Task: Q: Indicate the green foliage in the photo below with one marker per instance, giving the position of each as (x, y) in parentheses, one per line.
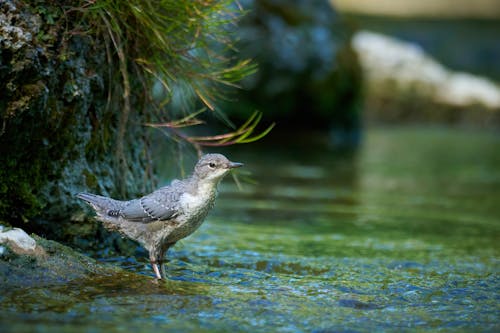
(180, 43)
(180, 46)
(244, 134)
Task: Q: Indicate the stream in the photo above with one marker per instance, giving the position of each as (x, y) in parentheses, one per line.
(402, 234)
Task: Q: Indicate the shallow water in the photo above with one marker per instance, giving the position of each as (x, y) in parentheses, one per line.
(404, 234)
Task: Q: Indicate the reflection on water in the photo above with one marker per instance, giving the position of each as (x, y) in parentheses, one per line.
(402, 234)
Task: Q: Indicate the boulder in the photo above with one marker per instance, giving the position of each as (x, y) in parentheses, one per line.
(404, 82)
(308, 75)
(58, 133)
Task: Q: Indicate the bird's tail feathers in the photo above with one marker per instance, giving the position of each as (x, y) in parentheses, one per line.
(102, 205)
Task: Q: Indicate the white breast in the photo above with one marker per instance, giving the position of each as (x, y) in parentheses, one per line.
(192, 204)
(189, 202)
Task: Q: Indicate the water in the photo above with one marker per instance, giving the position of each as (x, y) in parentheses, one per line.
(403, 234)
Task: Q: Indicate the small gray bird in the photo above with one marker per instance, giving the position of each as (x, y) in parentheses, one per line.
(160, 219)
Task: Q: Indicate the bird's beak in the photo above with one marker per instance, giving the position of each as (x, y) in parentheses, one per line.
(233, 165)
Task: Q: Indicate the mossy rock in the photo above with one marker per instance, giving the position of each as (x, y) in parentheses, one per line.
(49, 264)
(58, 133)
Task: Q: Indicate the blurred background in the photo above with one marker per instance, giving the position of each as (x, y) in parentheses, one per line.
(372, 62)
(372, 205)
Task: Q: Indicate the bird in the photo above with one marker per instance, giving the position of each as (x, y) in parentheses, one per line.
(160, 219)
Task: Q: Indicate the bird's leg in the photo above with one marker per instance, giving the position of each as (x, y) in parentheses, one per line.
(156, 268)
(159, 269)
(163, 272)
(157, 262)
(164, 249)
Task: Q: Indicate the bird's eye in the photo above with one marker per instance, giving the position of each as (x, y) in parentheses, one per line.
(212, 165)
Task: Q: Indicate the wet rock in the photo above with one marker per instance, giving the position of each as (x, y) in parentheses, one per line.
(307, 74)
(28, 261)
(14, 36)
(402, 78)
(59, 123)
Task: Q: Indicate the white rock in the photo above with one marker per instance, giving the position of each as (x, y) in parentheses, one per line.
(18, 237)
(465, 89)
(385, 58)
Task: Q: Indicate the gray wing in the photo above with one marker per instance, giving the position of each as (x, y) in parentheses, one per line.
(157, 206)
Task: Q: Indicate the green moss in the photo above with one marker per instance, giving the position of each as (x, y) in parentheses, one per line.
(91, 180)
(55, 110)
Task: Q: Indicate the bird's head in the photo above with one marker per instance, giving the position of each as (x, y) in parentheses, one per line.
(213, 167)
